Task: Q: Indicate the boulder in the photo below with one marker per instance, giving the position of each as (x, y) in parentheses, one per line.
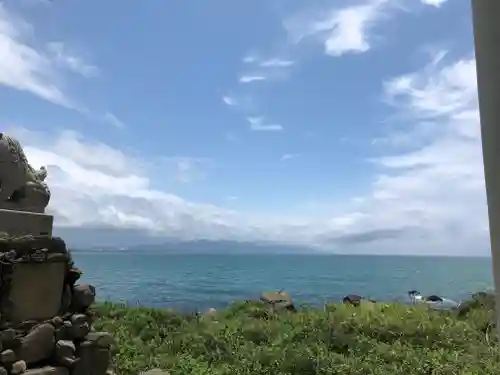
(82, 298)
(278, 300)
(38, 344)
(356, 300)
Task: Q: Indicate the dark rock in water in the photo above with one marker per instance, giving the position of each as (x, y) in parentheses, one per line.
(278, 300)
(355, 300)
(434, 298)
(352, 299)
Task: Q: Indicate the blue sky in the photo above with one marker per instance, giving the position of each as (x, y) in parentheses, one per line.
(348, 125)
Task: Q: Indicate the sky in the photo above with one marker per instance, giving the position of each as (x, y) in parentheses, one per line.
(349, 126)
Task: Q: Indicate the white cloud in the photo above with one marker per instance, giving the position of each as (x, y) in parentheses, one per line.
(94, 185)
(113, 120)
(23, 67)
(251, 78)
(41, 71)
(428, 95)
(436, 3)
(345, 30)
(250, 59)
(436, 188)
(60, 56)
(266, 68)
(259, 124)
(342, 31)
(427, 200)
(273, 62)
(276, 63)
(229, 100)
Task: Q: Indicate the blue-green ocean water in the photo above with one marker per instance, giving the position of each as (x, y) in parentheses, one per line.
(196, 282)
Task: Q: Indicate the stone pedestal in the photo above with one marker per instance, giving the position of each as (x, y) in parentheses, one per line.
(16, 223)
(45, 317)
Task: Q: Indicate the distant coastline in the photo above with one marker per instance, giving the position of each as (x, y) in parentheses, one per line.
(159, 250)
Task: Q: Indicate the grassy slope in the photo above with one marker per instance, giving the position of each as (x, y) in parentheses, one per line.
(247, 339)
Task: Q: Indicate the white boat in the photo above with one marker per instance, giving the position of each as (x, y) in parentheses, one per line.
(433, 301)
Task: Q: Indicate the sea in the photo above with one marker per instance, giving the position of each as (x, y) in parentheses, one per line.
(196, 282)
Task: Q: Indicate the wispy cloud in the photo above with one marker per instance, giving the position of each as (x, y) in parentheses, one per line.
(61, 57)
(273, 62)
(286, 157)
(438, 185)
(425, 94)
(259, 124)
(436, 3)
(251, 78)
(341, 30)
(23, 67)
(345, 30)
(113, 120)
(276, 63)
(229, 100)
(249, 59)
(186, 170)
(266, 68)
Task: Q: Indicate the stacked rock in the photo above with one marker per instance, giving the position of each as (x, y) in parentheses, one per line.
(45, 321)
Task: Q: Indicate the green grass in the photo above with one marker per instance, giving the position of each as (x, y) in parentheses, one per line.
(248, 339)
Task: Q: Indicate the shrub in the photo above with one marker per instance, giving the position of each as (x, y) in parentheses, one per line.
(247, 338)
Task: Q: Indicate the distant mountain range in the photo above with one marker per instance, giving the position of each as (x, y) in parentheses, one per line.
(111, 239)
(207, 247)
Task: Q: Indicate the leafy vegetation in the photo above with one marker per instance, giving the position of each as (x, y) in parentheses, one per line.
(248, 338)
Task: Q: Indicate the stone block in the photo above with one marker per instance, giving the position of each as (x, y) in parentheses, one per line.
(35, 291)
(17, 223)
(93, 360)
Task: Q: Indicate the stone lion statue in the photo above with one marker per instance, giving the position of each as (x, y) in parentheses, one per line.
(22, 187)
